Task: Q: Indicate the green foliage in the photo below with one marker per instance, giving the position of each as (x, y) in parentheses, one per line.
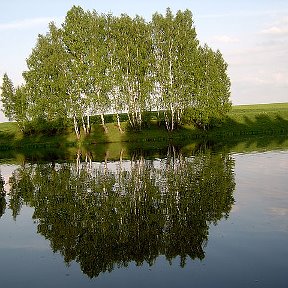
(175, 50)
(46, 78)
(101, 64)
(210, 101)
(2, 205)
(202, 119)
(49, 128)
(8, 97)
(14, 102)
(2, 190)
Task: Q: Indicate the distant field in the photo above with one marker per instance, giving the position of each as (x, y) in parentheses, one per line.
(242, 113)
(260, 118)
(260, 107)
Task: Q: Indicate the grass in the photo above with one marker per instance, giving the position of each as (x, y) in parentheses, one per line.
(242, 122)
(245, 127)
(261, 119)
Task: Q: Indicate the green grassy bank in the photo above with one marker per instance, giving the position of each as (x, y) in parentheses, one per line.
(242, 123)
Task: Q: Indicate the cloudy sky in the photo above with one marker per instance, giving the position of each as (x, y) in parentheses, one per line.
(252, 36)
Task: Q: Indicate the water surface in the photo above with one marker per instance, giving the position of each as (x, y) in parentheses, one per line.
(205, 220)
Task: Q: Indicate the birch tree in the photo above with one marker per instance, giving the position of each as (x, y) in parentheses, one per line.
(212, 89)
(76, 41)
(8, 98)
(184, 66)
(14, 101)
(45, 78)
(97, 87)
(175, 46)
(134, 50)
(114, 73)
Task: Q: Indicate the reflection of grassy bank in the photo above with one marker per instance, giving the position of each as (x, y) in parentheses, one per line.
(117, 151)
(250, 123)
(125, 151)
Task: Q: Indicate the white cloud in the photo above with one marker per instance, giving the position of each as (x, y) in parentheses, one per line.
(276, 78)
(280, 78)
(263, 77)
(274, 30)
(25, 24)
(241, 14)
(225, 39)
(278, 28)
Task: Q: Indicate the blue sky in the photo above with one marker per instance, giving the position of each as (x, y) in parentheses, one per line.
(252, 36)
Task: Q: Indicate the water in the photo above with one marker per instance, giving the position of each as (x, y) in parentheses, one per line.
(207, 220)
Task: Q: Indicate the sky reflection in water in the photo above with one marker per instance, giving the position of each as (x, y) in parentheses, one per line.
(121, 219)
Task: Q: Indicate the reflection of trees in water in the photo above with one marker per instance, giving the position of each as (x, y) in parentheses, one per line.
(104, 218)
(2, 196)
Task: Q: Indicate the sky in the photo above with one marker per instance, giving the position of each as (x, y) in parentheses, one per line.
(252, 36)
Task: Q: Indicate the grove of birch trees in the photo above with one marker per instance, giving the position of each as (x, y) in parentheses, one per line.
(98, 64)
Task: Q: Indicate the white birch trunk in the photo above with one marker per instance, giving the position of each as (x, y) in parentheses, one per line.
(129, 119)
(118, 123)
(166, 121)
(84, 125)
(171, 87)
(76, 128)
(139, 120)
(103, 123)
(172, 117)
(78, 160)
(88, 124)
(158, 113)
(121, 158)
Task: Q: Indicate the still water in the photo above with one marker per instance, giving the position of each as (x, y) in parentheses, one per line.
(205, 220)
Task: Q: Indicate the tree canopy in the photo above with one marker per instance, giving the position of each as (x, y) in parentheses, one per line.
(96, 64)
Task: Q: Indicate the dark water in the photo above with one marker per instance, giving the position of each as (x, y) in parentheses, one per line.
(207, 220)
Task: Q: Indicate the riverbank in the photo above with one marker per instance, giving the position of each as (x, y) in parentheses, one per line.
(245, 121)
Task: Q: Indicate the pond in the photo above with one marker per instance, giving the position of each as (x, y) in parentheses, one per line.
(209, 219)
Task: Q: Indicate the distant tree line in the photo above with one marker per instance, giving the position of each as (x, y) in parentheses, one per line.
(98, 64)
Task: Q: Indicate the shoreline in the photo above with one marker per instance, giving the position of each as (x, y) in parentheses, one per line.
(244, 121)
